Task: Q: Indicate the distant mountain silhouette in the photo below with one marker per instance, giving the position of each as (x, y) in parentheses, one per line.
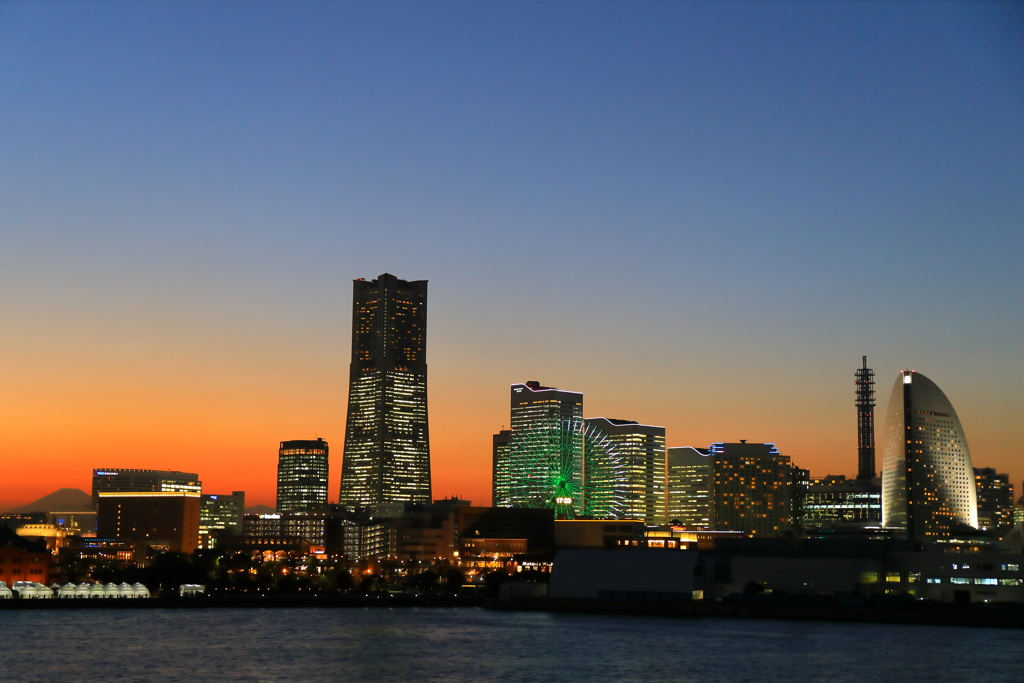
(56, 500)
(260, 510)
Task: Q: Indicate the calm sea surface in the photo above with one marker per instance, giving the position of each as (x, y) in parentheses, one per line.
(408, 644)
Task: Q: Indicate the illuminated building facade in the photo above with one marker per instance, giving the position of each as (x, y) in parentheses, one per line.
(689, 487)
(301, 475)
(501, 477)
(164, 520)
(836, 500)
(114, 479)
(220, 515)
(387, 445)
(927, 480)
(643, 449)
(534, 405)
(537, 413)
(995, 498)
(309, 526)
(752, 488)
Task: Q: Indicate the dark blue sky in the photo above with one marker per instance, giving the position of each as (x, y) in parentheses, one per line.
(682, 209)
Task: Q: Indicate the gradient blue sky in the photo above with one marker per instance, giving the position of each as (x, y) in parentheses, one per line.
(699, 214)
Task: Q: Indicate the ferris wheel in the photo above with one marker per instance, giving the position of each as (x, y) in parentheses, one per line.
(571, 467)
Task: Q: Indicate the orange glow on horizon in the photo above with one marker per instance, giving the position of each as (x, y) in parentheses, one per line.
(62, 426)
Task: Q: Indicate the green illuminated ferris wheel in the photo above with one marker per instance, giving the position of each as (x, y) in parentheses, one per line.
(571, 467)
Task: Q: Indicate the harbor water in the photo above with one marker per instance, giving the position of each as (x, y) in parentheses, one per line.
(472, 644)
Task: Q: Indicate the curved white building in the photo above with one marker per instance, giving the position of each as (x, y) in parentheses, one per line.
(927, 478)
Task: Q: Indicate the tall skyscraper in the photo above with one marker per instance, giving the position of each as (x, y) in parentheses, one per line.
(643, 449)
(301, 475)
(537, 415)
(115, 479)
(865, 383)
(690, 486)
(752, 488)
(927, 480)
(500, 466)
(387, 441)
(553, 458)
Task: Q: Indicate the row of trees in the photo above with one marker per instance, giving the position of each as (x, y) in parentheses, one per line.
(239, 572)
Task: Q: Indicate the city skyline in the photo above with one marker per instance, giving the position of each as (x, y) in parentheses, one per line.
(700, 218)
(492, 472)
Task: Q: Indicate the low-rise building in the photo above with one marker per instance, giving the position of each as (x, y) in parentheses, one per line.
(835, 501)
(850, 568)
(23, 560)
(161, 520)
(631, 576)
(595, 533)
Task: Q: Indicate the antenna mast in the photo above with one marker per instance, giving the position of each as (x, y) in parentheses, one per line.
(865, 383)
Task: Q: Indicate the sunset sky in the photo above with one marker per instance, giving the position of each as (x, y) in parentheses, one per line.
(700, 215)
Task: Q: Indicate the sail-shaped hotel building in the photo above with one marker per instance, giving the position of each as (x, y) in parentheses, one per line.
(927, 478)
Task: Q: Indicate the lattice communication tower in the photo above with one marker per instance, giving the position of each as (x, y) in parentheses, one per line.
(865, 383)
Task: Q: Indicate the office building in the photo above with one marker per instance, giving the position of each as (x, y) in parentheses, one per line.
(501, 476)
(533, 406)
(690, 483)
(387, 443)
(309, 526)
(995, 499)
(111, 480)
(835, 501)
(1018, 509)
(220, 515)
(157, 520)
(301, 475)
(535, 443)
(752, 488)
(553, 458)
(643, 449)
(928, 488)
(801, 482)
